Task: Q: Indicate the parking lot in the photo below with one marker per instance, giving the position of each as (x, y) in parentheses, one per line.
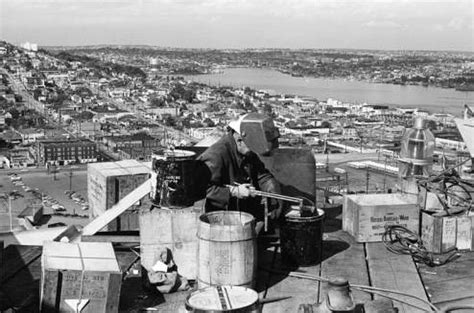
(36, 186)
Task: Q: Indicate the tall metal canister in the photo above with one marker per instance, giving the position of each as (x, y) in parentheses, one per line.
(416, 155)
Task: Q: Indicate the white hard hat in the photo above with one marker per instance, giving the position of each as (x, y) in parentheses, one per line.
(235, 124)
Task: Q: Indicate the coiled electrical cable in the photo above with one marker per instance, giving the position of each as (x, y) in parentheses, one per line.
(401, 240)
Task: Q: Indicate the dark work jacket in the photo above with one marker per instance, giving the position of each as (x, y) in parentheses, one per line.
(222, 165)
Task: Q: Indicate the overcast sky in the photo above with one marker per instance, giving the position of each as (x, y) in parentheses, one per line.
(369, 24)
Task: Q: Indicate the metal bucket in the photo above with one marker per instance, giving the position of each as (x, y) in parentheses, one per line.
(302, 238)
(227, 247)
(223, 299)
(174, 177)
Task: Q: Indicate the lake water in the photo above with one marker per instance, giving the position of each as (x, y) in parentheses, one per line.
(432, 99)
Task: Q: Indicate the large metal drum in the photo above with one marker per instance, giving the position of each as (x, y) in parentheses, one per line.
(174, 177)
(223, 299)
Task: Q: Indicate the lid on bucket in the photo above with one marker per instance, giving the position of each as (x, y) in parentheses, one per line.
(222, 298)
(305, 213)
(173, 154)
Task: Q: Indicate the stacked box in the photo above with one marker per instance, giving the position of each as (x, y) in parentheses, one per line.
(365, 216)
(444, 233)
(87, 272)
(176, 230)
(108, 183)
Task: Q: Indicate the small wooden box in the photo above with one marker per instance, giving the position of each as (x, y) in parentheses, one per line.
(87, 271)
(443, 233)
(175, 229)
(365, 216)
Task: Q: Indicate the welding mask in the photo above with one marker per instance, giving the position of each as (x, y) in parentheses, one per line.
(258, 132)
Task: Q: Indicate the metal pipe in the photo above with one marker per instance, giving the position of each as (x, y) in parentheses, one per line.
(277, 196)
(274, 195)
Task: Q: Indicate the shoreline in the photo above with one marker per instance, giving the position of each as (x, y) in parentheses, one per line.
(426, 107)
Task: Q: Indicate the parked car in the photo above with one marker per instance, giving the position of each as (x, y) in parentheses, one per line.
(58, 224)
(58, 208)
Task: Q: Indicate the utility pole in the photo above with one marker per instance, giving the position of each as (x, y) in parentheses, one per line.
(367, 180)
(70, 179)
(10, 212)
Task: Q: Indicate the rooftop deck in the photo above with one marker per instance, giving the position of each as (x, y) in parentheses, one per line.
(362, 264)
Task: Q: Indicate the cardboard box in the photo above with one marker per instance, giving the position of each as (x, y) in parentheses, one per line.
(365, 216)
(429, 200)
(87, 272)
(443, 233)
(174, 229)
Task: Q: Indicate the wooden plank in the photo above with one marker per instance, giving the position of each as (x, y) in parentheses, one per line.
(118, 238)
(278, 284)
(451, 290)
(109, 215)
(345, 258)
(451, 282)
(461, 268)
(50, 287)
(397, 272)
(113, 292)
(300, 290)
(452, 303)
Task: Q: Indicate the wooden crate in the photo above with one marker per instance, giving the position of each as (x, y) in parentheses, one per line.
(428, 200)
(443, 233)
(174, 229)
(365, 216)
(108, 183)
(86, 271)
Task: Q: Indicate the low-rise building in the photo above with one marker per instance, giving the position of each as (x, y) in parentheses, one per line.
(20, 157)
(61, 151)
(139, 140)
(162, 111)
(11, 137)
(30, 135)
(201, 132)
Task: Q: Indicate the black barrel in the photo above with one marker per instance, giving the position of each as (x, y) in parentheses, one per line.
(174, 170)
(302, 238)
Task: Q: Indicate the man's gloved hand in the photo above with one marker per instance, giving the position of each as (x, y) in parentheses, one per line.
(242, 191)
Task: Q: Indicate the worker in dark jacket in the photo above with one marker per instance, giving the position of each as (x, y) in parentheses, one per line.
(234, 170)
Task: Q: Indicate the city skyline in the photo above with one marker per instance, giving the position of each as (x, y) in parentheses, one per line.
(341, 24)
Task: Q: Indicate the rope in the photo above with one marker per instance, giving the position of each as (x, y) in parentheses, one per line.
(380, 291)
(400, 240)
